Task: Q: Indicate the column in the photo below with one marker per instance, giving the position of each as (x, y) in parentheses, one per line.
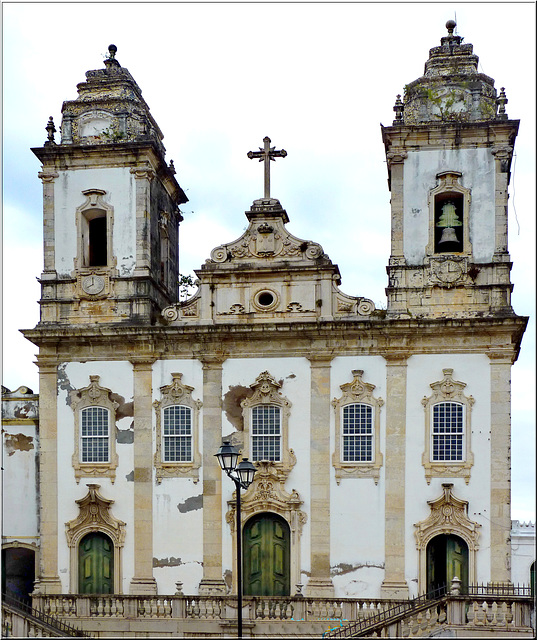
(212, 581)
(394, 584)
(396, 158)
(48, 580)
(143, 582)
(320, 583)
(500, 467)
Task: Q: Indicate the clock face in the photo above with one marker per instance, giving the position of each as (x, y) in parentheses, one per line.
(93, 284)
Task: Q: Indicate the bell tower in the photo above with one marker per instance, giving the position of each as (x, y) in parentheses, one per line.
(449, 153)
(111, 207)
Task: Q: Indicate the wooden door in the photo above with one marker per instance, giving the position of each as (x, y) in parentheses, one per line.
(96, 564)
(447, 557)
(266, 554)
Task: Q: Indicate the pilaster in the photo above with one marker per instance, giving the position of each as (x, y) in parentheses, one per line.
(320, 583)
(212, 581)
(143, 581)
(502, 155)
(48, 176)
(143, 177)
(396, 158)
(48, 580)
(394, 584)
(500, 466)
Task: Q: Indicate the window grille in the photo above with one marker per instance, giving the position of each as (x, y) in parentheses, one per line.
(95, 435)
(448, 431)
(177, 434)
(266, 433)
(357, 433)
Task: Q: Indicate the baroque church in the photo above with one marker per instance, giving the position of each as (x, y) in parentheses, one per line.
(380, 437)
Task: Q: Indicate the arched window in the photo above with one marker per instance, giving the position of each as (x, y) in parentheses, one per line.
(266, 433)
(95, 435)
(447, 432)
(177, 417)
(177, 434)
(357, 433)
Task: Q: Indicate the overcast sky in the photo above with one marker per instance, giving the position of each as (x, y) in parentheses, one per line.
(318, 78)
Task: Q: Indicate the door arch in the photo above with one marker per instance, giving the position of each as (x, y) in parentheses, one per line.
(266, 556)
(96, 564)
(447, 557)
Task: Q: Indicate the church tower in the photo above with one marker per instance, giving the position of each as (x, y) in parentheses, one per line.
(449, 156)
(111, 207)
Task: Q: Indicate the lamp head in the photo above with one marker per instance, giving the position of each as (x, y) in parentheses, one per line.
(245, 471)
(227, 456)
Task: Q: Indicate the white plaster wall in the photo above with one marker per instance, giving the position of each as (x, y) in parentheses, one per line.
(478, 174)
(522, 552)
(116, 376)
(119, 185)
(177, 512)
(422, 370)
(19, 495)
(295, 373)
(357, 504)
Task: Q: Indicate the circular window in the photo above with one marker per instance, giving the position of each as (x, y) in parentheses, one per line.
(265, 300)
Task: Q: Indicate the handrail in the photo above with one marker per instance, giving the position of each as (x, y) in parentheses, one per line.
(27, 610)
(386, 616)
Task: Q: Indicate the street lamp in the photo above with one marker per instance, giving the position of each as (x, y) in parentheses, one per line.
(242, 475)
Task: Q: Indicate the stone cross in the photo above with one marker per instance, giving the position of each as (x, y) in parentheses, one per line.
(265, 155)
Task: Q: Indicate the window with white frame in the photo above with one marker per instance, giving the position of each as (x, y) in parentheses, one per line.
(94, 409)
(357, 433)
(357, 430)
(448, 432)
(177, 419)
(447, 452)
(94, 434)
(266, 433)
(177, 434)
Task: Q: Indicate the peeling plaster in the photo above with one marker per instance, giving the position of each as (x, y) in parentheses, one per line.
(343, 567)
(228, 579)
(124, 436)
(130, 476)
(63, 383)
(27, 410)
(232, 404)
(125, 409)
(17, 442)
(191, 504)
(172, 562)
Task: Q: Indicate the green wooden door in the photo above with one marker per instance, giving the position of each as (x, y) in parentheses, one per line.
(447, 557)
(266, 553)
(96, 564)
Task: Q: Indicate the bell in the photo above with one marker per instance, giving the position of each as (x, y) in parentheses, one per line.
(448, 235)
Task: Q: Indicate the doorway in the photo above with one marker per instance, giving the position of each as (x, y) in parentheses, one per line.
(96, 564)
(266, 556)
(447, 557)
(18, 572)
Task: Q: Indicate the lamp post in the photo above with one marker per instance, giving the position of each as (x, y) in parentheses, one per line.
(242, 475)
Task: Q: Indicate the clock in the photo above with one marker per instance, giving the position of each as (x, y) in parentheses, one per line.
(93, 284)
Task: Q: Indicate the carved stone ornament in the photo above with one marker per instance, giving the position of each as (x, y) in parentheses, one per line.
(95, 516)
(361, 392)
(448, 271)
(266, 390)
(94, 396)
(448, 390)
(349, 305)
(265, 239)
(267, 494)
(177, 393)
(449, 516)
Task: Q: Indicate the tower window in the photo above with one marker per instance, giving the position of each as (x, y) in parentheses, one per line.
(97, 242)
(448, 223)
(357, 433)
(266, 433)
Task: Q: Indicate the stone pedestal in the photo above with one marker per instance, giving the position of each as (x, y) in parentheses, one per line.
(143, 587)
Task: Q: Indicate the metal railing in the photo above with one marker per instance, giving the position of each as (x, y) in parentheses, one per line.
(34, 615)
(523, 590)
(387, 616)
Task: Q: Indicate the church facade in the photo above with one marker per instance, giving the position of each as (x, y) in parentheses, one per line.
(381, 438)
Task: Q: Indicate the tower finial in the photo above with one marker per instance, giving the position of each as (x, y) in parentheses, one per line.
(111, 61)
(112, 50)
(51, 130)
(450, 26)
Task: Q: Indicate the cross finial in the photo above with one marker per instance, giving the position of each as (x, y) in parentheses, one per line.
(266, 154)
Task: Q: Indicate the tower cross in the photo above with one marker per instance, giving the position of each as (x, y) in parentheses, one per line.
(265, 155)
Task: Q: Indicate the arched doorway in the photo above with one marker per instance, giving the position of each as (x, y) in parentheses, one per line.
(266, 556)
(447, 557)
(18, 572)
(96, 564)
